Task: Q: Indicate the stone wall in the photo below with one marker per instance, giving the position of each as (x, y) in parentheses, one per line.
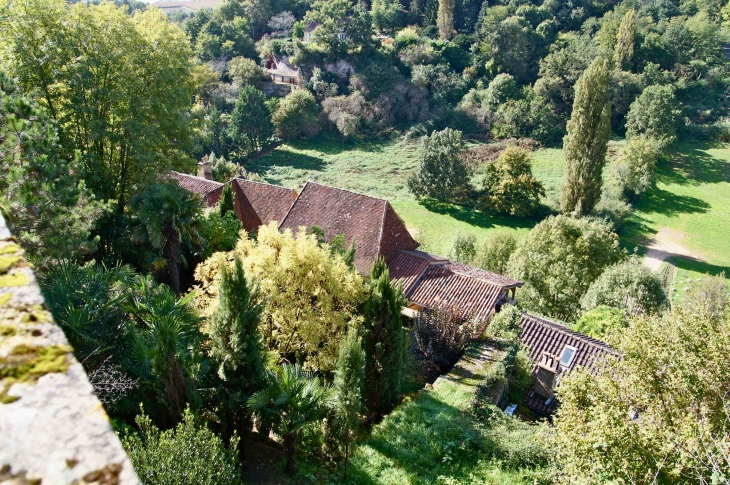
(53, 429)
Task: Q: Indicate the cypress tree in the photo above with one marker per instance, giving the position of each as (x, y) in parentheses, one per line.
(589, 129)
(349, 378)
(384, 341)
(446, 19)
(226, 202)
(624, 51)
(237, 349)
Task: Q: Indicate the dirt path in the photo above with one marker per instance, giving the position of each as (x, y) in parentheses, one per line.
(664, 245)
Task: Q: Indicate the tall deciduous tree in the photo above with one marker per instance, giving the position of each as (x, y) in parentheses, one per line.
(559, 260)
(623, 53)
(654, 115)
(46, 203)
(119, 87)
(657, 415)
(250, 121)
(384, 341)
(168, 217)
(235, 344)
(442, 174)
(445, 19)
(585, 145)
(509, 185)
(349, 380)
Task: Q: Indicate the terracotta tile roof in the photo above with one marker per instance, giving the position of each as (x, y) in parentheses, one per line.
(441, 287)
(544, 336)
(406, 268)
(260, 203)
(481, 274)
(197, 185)
(370, 221)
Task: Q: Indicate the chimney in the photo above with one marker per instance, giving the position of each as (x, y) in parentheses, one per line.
(547, 369)
(204, 170)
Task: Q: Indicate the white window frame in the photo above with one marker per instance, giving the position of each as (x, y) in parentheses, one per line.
(572, 357)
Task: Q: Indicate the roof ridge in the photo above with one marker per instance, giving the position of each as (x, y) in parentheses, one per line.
(563, 328)
(283, 219)
(382, 227)
(256, 181)
(197, 177)
(344, 190)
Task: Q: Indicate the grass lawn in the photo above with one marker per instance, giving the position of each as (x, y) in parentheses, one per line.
(431, 439)
(381, 169)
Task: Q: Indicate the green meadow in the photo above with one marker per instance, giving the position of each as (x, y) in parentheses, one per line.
(689, 204)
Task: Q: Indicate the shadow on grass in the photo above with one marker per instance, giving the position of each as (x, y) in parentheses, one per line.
(422, 439)
(660, 201)
(285, 158)
(691, 165)
(475, 217)
(702, 267)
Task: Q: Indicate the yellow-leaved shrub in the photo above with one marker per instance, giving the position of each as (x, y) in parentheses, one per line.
(311, 296)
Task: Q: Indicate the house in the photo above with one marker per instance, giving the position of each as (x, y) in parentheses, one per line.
(434, 282)
(428, 281)
(309, 35)
(281, 71)
(556, 351)
(371, 222)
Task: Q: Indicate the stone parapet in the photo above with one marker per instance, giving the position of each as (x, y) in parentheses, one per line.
(53, 429)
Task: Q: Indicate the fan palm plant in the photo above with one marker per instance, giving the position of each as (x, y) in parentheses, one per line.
(294, 398)
(164, 341)
(168, 219)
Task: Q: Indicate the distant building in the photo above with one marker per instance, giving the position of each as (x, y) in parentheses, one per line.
(186, 6)
(281, 71)
(309, 31)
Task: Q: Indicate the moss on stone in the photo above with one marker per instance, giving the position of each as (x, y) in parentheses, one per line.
(9, 248)
(4, 299)
(8, 330)
(26, 364)
(18, 279)
(7, 262)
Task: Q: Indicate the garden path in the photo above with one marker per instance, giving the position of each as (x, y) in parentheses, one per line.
(665, 244)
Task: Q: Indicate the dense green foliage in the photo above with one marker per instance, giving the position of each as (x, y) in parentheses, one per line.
(559, 260)
(188, 453)
(226, 203)
(585, 144)
(251, 125)
(601, 321)
(629, 286)
(384, 341)
(494, 252)
(235, 345)
(509, 186)
(442, 174)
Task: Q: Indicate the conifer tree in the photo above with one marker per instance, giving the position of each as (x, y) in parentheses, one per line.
(349, 379)
(384, 341)
(236, 346)
(624, 50)
(445, 20)
(226, 202)
(589, 129)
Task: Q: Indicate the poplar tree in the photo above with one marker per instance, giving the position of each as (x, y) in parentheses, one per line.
(445, 19)
(384, 341)
(624, 50)
(236, 346)
(349, 379)
(589, 129)
(226, 203)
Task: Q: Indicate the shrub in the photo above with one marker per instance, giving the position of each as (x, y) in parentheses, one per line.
(245, 72)
(520, 379)
(510, 187)
(188, 453)
(558, 261)
(222, 170)
(530, 117)
(495, 251)
(219, 231)
(442, 174)
(600, 321)
(350, 114)
(297, 115)
(635, 166)
(506, 323)
(464, 248)
(501, 89)
(655, 114)
(628, 286)
(442, 335)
